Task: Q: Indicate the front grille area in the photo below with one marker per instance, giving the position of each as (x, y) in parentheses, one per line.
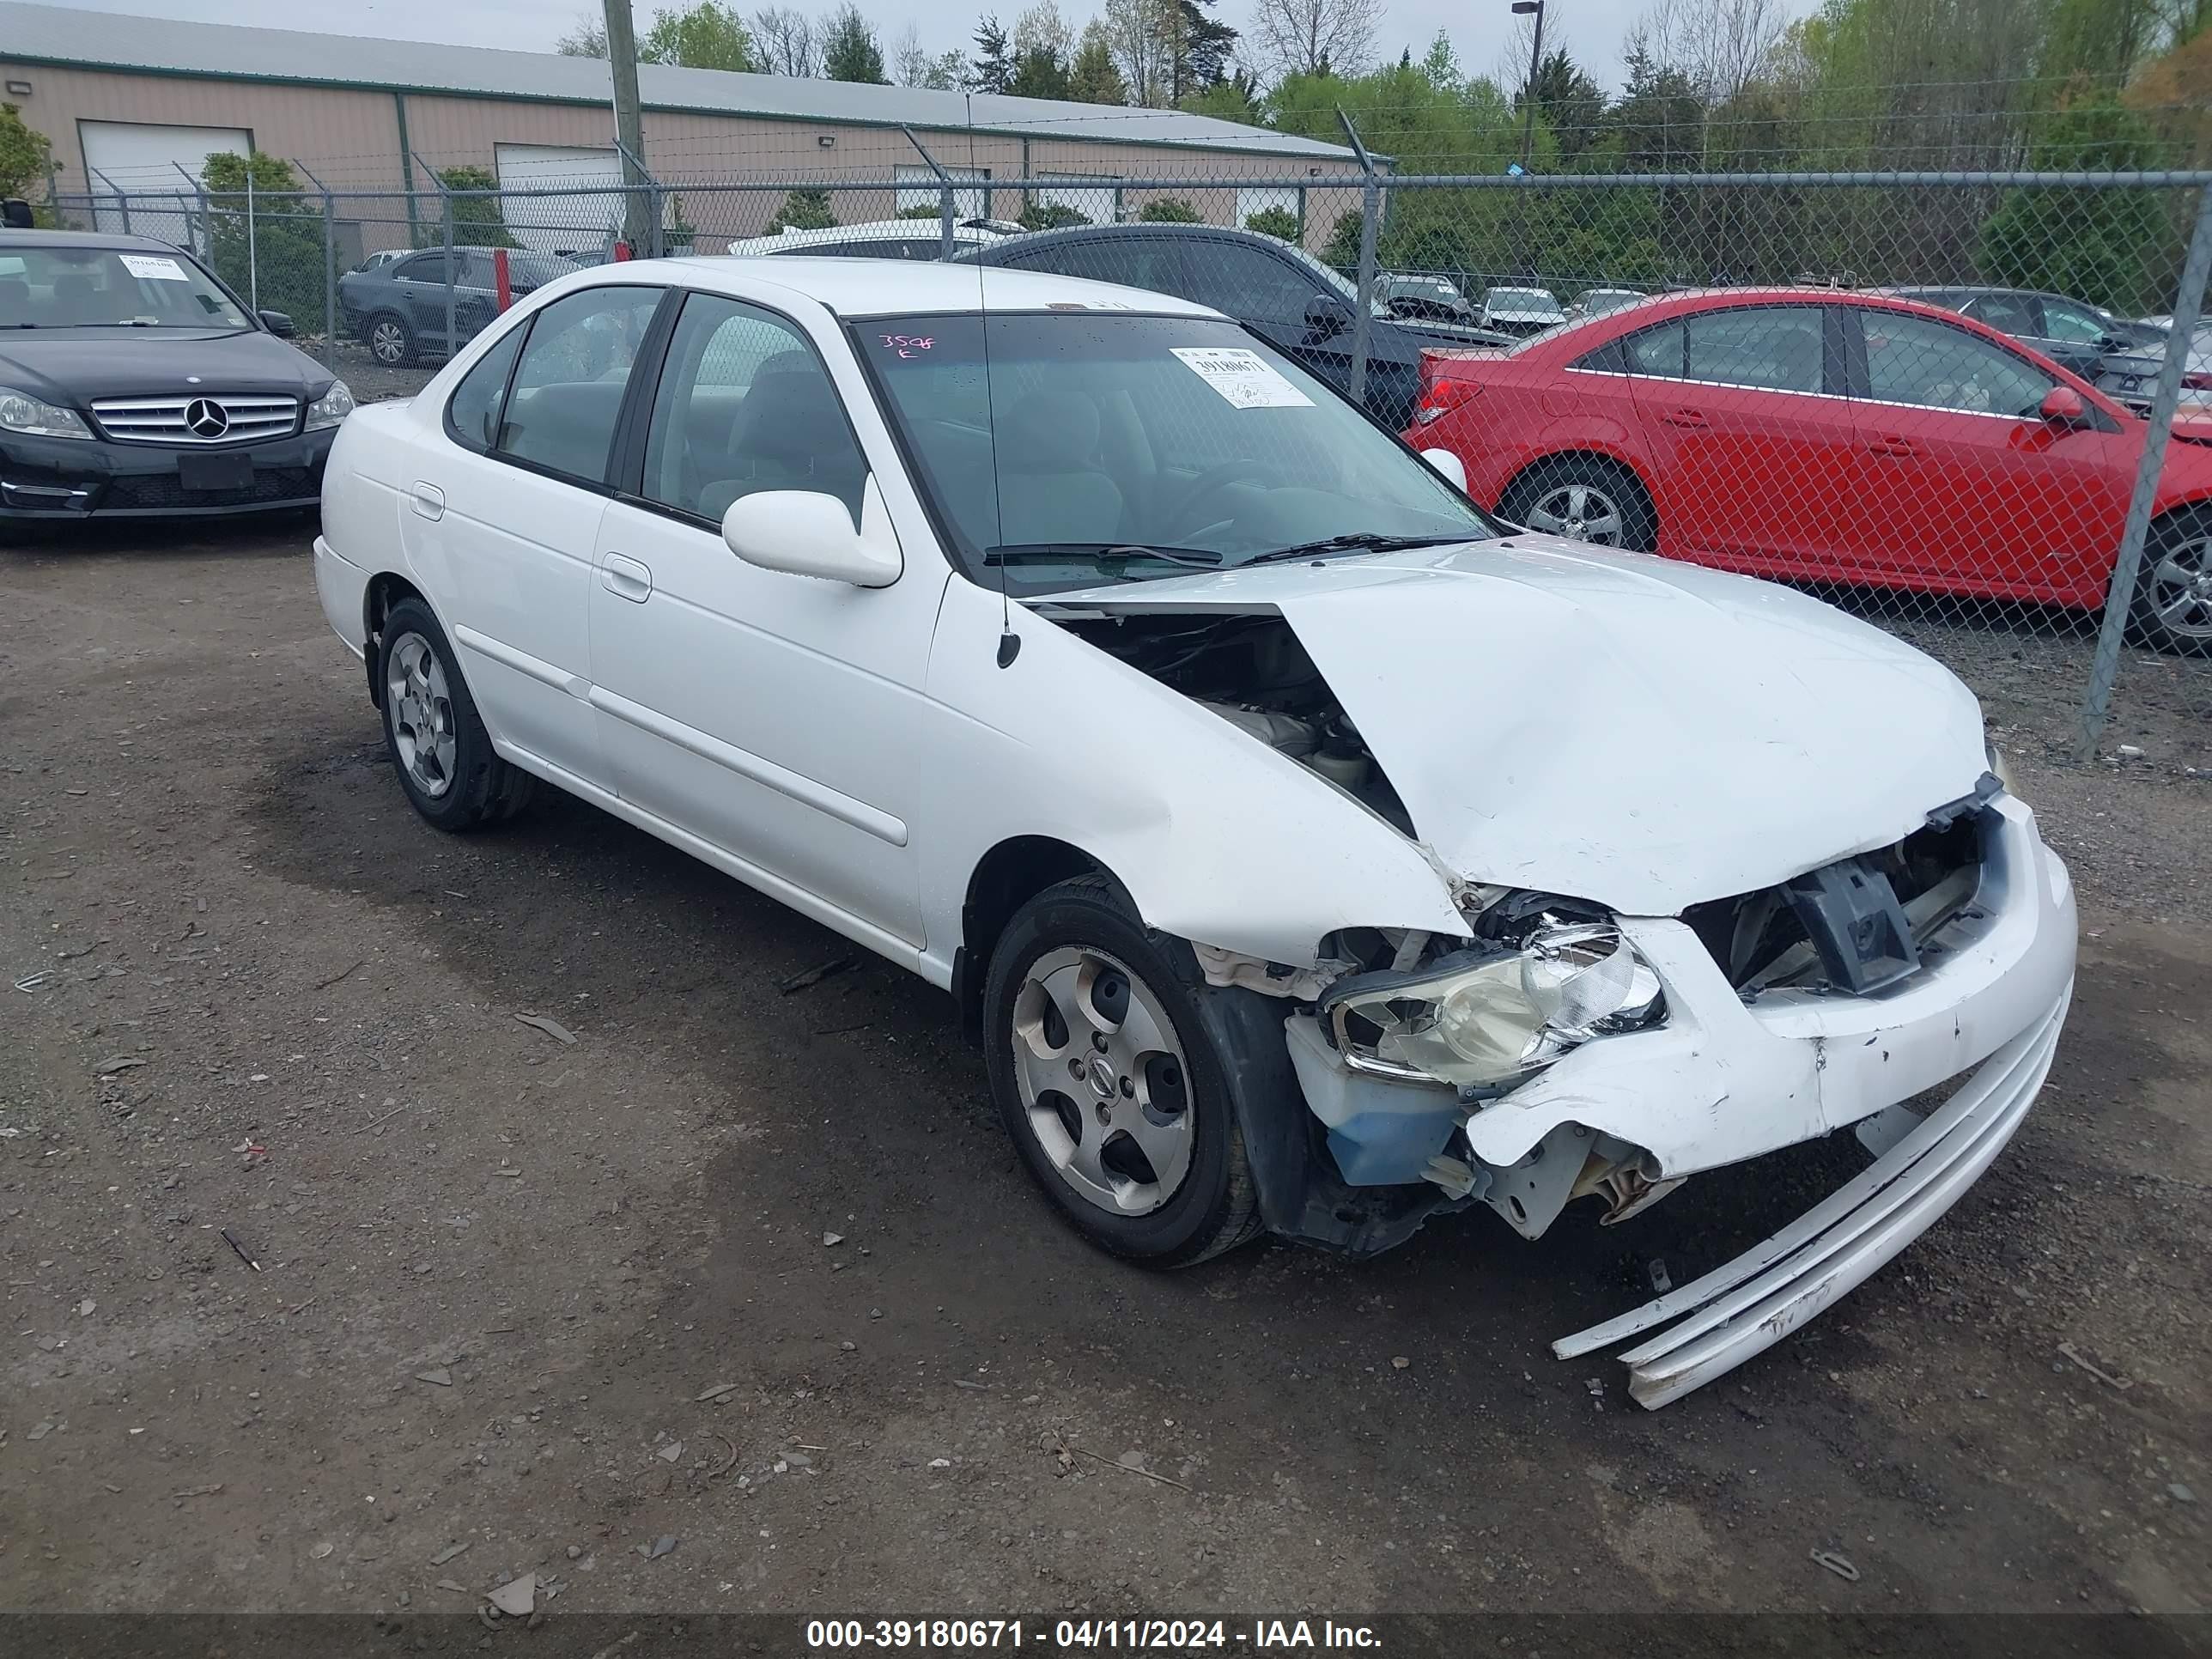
(174, 420)
(275, 483)
(1778, 938)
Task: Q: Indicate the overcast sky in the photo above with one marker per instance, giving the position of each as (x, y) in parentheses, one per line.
(1592, 28)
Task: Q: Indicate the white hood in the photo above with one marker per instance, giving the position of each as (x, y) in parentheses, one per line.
(1612, 726)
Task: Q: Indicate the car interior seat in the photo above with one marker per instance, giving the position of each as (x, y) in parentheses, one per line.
(1052, 485)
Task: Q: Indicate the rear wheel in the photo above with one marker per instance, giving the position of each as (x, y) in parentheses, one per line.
(1109, 1082)
(1583, 498)
(2172, 609)
(390, 342)
(439, 745)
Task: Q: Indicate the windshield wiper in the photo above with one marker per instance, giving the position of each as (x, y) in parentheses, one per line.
(1359, 541)
(1107, 556)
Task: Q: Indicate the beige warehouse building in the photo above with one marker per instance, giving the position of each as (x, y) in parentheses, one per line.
(134, 105)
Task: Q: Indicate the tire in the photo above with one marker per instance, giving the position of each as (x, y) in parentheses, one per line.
(2173, 607)
(390, 342)
(1587, 498)
(437, 740)
(1078, 946)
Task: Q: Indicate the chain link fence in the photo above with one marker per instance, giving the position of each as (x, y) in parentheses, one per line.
(1699, 364)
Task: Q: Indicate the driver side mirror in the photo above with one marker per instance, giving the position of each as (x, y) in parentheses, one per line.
(803, 532)
(278, 323)
(1327, 315)
(2063, 407)
(1449, 467)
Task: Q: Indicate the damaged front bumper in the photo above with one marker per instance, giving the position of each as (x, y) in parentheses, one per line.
(1727, 1078)
(1753, 1302)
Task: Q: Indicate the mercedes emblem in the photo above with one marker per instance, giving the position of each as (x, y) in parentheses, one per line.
(205, 417)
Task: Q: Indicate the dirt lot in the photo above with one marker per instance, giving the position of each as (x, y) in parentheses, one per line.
(499, 1275)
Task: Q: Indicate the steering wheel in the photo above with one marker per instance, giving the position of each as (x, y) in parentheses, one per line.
(1212, 482)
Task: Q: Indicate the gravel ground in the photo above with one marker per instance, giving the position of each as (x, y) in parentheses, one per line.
(555, 1301)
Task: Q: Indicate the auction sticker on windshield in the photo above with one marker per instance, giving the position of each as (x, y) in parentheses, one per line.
(154, 267)
(1243, 377)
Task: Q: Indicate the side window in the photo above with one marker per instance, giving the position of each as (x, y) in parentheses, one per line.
(2008, 314)
(1248, 282)
(422, 267)
(1775, 348)
(472, 416)
(1147, 262)
(745, 404)
(568, 387)
(2075, 324)
(1657, 351)
(1916, 360)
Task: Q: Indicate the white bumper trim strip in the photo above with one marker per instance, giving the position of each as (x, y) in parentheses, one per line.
(1745, 1306)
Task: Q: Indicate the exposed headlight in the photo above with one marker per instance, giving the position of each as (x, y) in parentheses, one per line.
(34, 418)
(331, 407)
(1487, 1015)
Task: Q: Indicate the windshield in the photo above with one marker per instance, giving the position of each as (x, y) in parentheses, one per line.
(1532, 300)
(1121, 447)
(110, 287)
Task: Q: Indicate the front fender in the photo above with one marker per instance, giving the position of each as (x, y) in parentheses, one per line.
(1216, 837)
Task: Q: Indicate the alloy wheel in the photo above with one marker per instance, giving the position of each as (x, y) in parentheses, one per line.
(422, 714)
(2181, 589)
(387, 343)
(1102, 1080)
(1580, 513)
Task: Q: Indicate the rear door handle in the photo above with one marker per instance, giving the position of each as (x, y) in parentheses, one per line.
(1690, 419)
(427, 500)
(626, 577)
(1894, 444)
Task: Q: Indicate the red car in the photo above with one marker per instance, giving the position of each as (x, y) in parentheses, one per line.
(1823, 436)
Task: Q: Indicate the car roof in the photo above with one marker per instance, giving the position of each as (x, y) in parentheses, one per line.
(1140, 232)
(871, 288)
(873, 230)
(87, 238)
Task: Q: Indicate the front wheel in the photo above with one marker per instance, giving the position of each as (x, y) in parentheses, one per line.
(2172, 609)
(1110, 1084)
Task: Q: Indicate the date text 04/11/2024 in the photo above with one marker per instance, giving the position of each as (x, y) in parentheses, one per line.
(1159, 1635)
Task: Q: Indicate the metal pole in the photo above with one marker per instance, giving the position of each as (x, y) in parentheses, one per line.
(1528, 92)
(2119, 599)
(1370, 204)
(452, 345)
(330, 271)
(946, 206)
(629, 121)
(252, 248)
(120, 203)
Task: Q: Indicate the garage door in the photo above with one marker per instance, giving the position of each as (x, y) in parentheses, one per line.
(565, 223)
(143, 160)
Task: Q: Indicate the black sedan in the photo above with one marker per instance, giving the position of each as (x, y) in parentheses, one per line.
(132, 381)
(2071, 332)
(399, 309)
(1278, 291)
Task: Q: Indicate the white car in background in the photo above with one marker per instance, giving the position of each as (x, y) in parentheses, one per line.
(1311, 853)
(881, 239)
(1521, 310)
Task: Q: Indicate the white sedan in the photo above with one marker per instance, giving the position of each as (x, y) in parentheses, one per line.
(1311, 853)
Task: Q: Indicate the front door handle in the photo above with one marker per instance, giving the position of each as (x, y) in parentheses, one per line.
(427, 500)
(1690, 419)
(1894, 445)
(625, 578)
